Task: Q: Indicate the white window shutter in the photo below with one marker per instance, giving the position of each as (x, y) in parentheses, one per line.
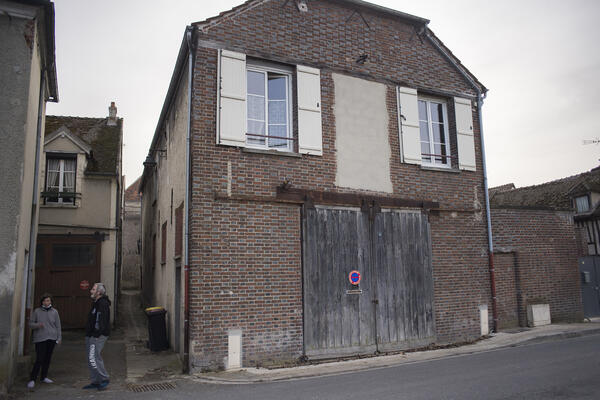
(464, 134)
(310, 135)
(231, 106)
(410, 136)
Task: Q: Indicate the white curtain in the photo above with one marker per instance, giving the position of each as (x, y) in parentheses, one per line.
(52, 175)
(69, 175)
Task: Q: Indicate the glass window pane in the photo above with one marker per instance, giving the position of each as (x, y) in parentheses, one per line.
(256, 127)
(277, 112)
(73, 255)
(256, 83)
(425, 148)
(278, 130)
(436, 112)
(582, 203)
(422, 110)
(438, 133)
(70, 165)
(424, 128)
(256, 108)
(69, 182)
(277, 87)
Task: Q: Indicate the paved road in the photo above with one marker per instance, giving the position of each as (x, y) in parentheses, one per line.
(560, 369)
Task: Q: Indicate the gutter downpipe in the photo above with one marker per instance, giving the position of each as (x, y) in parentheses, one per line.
(186, 323)
(480, 98)
(26, 299)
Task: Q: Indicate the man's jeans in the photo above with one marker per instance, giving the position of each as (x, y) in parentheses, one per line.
(93, 347)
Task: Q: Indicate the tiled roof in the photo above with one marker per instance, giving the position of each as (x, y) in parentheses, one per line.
(502, 188)
(105, 140)
(554, 195)
(132, 192)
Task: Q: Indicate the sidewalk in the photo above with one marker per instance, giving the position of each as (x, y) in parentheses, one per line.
(127, 359)
(132, 366)
(518, 336)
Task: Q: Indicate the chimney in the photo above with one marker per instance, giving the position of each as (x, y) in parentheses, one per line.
(112, 114)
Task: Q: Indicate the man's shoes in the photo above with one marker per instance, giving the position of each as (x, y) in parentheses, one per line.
(30, 384)
(91, 386)
(103, 385)
(46, 380)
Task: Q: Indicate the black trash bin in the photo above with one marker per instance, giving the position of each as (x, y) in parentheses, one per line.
(157, 328)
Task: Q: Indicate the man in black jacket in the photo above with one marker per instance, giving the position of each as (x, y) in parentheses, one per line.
(97, 330)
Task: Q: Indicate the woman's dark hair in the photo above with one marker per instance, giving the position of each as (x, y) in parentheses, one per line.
(44, 297)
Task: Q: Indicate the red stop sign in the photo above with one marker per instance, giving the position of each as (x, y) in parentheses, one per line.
(84, 285)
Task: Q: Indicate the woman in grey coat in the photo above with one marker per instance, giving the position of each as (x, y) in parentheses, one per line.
(45, 324)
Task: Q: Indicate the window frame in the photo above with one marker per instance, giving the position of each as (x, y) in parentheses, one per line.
(61, 177)
(288, 74)
(589, 206)
(448, 157)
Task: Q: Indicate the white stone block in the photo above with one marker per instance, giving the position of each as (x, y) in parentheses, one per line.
(234, 359)
(538, 314)
(483, 318)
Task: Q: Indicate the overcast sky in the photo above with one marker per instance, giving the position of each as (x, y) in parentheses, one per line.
(539, 59)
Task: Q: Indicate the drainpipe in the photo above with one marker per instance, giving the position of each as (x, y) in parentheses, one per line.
(186, 340)
(480, 97)
(26, 297)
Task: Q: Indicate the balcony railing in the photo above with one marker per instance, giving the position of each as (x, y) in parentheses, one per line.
(67, 197)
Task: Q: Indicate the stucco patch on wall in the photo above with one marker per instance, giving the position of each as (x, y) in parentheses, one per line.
(362, 136)
(7, 272)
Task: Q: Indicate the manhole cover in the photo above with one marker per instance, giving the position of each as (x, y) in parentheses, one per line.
(153, 387)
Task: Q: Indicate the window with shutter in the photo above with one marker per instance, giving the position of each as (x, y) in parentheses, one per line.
(255, 105)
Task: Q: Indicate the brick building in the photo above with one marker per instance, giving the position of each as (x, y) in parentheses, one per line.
(541, 234)
(322, 139)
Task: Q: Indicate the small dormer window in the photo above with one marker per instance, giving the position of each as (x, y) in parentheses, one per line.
(582, 204)
(60, 180)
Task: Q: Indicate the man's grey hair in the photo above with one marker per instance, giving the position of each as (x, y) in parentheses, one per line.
(100, 288)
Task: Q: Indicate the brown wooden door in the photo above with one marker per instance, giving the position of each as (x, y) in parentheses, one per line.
(63, 263)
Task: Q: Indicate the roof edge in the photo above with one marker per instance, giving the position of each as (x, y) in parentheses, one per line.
(171, 91)
(207, 23)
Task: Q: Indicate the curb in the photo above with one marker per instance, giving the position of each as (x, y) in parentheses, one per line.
(459, 351)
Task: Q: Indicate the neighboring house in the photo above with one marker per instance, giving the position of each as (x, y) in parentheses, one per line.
(538, 246)
(315, 139)
(27, 82)
(79, 236)
(132, 259)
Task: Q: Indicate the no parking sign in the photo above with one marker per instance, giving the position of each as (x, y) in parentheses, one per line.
(354, 277)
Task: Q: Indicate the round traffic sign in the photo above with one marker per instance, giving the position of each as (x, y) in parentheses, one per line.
(84, 285)
(354, 277)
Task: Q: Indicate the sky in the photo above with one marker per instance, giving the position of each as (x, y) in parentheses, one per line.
(538, 58)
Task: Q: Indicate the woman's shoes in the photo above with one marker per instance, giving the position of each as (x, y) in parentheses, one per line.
(30, 384)
(46, 380)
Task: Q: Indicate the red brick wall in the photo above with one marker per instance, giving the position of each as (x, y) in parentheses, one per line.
(232, 241)
(547, 246)
(506, 290)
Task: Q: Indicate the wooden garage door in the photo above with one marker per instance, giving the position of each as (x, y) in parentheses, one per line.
(63, 262)
(392, 307)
